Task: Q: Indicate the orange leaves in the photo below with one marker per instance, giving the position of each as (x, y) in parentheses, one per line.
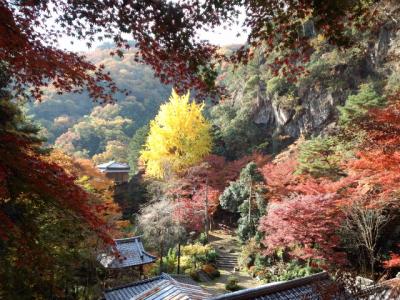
(98, 187)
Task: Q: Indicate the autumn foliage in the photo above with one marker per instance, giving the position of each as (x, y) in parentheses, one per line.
(305, 213)
(30, 172)
(179, 137)
(209, 178)
(166, 35)
(306, 226)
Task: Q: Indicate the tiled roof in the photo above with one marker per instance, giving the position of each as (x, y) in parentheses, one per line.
(314, 287)
(113, 166)
(131, 253)
(130, 290)
(386, 290)
(172, 289)
(157, 288)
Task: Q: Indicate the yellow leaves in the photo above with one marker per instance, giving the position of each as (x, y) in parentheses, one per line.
(179, 137)
(195, 249)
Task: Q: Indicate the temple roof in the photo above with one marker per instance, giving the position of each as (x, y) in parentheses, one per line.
(386, 290)
(157, 288)
(113, 166)
(131, 253)
(317, 287)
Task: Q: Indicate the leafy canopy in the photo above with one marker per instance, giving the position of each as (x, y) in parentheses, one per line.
(179, 137)
(166, 34)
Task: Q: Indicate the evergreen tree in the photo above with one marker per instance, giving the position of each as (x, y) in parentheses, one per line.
(320, 157)
(357, 106)
(245, 196)
(135, 146)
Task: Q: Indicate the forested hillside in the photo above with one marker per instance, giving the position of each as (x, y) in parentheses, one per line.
(262, 162)
(84, 128)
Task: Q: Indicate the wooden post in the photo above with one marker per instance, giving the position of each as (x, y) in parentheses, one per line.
(179, 256)
(206, 219)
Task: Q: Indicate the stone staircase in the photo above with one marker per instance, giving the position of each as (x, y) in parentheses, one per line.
(227, 261)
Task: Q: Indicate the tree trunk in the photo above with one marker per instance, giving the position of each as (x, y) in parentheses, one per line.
(372, 260)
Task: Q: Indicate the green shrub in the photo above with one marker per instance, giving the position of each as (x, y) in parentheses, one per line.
(203, 239)
(287, 271)
(248, 254)
(393, 83)
(196, 255)
(280, 86)
(211, 256)
(232, 284)
(170, 261)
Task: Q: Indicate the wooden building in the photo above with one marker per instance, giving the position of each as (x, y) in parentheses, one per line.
(118, 172)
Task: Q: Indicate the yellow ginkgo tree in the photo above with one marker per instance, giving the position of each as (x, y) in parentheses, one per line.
(179, 137)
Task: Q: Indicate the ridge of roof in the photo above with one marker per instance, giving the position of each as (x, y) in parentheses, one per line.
(110, 165)
(105, 165)
(164, 288)
(130, 253)
(159, 277)
(269, 289)
(127, 240)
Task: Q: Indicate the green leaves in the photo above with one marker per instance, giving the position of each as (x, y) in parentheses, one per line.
(358, 105)
(245, 196)
(320, 157)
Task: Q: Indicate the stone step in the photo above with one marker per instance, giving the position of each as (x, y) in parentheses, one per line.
(228, 260)
(227, 257)
(226, 265)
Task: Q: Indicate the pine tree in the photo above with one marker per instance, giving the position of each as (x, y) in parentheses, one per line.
(135, 146)
(357, 106)
(245, 196)
(320, 157)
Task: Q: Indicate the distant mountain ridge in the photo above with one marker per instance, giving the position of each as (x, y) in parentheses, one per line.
(63, 116)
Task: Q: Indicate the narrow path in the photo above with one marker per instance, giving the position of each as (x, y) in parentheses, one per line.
(228, 247)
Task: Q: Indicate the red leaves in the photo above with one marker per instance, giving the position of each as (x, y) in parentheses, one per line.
(306, 226)
(305, 213)
(393, 262)
(28, 172)
(209, 178)
(166, 34)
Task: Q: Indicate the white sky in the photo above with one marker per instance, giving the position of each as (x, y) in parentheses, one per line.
(218, 36)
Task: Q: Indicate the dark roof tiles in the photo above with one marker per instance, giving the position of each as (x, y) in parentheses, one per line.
(157, 288)
(128, 291)
(314, 287)
(131, 253)
(113, 166)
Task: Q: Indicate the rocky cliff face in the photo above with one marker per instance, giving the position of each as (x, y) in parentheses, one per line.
(314, 109)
